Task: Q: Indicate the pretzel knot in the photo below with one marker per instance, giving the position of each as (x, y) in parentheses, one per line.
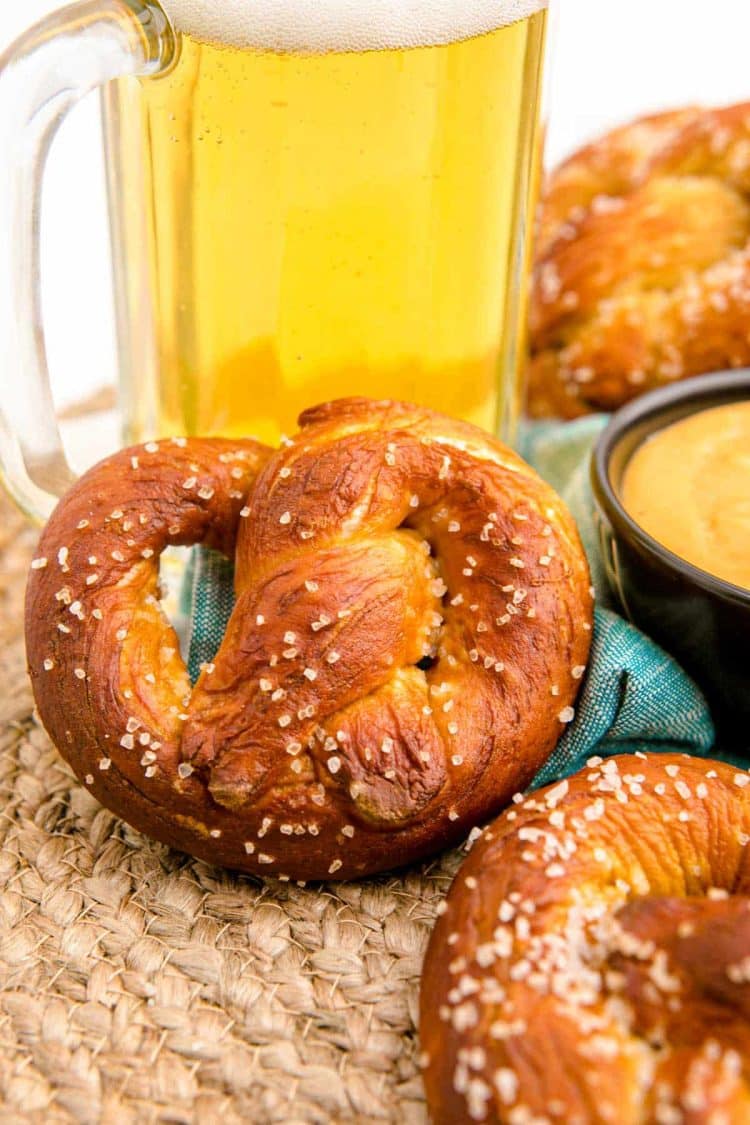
(642, 273)
(412, 622)
(591, 966)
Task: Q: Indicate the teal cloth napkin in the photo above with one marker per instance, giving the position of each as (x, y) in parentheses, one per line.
(634, 697)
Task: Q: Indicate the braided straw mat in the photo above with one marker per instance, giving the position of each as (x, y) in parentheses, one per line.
(138, 985)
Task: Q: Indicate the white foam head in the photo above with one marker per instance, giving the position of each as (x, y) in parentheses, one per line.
(317, 26)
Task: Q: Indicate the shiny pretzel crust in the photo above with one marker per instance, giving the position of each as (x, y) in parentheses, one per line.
(384, 537)
(642, 273)
(592, 964)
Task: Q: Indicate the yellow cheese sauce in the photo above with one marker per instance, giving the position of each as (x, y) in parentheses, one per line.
(688, 486)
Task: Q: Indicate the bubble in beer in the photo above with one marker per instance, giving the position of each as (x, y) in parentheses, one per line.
(318, 26)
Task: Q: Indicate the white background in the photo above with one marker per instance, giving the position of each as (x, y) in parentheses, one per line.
(613, 59)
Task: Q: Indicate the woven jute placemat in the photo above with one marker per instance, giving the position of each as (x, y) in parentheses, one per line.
(137, 985)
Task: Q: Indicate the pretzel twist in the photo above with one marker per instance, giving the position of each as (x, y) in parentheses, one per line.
(591, 966)
(642, 274)
(413, 618)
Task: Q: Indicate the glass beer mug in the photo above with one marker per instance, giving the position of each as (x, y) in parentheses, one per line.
(308, 199)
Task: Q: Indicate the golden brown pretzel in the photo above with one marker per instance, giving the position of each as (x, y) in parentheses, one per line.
(315, 744)
(642, 273)
(592, 966)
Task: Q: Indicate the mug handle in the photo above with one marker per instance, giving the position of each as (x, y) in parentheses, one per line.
(42, 77)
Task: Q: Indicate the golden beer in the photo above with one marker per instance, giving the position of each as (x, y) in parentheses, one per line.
(326, 214)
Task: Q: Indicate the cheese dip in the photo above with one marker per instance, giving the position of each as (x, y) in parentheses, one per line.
(688, 486)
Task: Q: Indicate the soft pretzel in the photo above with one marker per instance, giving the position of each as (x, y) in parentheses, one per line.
(413, 619)
(642, 273)
(592, 966)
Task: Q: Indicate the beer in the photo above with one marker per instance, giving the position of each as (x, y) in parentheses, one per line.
(338, 199)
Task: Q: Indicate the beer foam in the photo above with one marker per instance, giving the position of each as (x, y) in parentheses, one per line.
(318, 26)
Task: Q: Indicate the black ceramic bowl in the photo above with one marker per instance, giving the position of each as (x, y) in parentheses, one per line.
(701, 620)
